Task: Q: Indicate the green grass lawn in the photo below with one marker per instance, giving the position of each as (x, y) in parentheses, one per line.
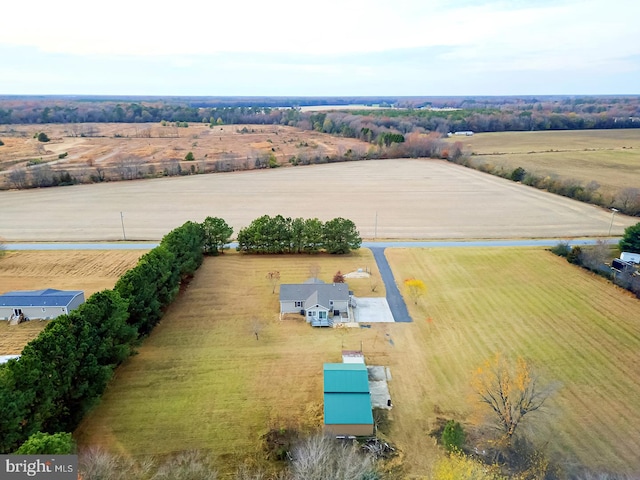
(577, 329)
(202, 380)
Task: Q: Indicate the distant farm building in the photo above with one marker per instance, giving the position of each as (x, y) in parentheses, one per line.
(463, 133)
(347, 401)
(321, 303)
(38, 304)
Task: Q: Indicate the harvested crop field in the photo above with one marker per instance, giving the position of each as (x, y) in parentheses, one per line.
(202, 379)
(405, 199)
(609, 157)
(89, 271)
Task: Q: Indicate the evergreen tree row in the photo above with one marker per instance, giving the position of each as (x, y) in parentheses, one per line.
(268, 235)
(65, 370)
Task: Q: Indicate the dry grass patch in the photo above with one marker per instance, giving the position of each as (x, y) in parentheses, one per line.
(202, 380)
(87, 270)
(106, 144)
(577, 328)
(14, 338)
(609, 157)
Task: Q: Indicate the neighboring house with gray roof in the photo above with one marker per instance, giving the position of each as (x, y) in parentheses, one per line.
(39, 304)
(321, 303)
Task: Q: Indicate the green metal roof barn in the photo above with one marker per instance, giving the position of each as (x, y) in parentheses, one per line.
(347, 401)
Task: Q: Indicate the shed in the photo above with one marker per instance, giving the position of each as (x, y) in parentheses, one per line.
(39, 304)
(347, 401)
(352, 356)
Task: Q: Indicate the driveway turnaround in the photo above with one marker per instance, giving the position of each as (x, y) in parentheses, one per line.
(394, 299)
(372, 310)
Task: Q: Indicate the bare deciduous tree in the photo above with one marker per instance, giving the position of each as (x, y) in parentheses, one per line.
(18, 178)
(314, 270)
(322, 457)
(596, 256)
(256, 327)
(373, 282)
(129, 168)
(274, 279)
(97, 464)
(41, 176)
(512, 391)
(187, 466)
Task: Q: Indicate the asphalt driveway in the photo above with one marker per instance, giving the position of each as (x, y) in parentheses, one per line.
(394, 299)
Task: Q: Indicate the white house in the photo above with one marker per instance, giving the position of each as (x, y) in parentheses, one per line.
(321, 303)
(39, 304)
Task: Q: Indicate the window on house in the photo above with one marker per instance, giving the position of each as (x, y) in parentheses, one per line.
(299, 304)
(322, 315)
(312, 314)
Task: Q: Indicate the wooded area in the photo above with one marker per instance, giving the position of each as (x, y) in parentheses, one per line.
(399, 115)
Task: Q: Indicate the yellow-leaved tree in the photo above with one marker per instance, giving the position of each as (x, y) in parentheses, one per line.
(458, 466)
(416, 288)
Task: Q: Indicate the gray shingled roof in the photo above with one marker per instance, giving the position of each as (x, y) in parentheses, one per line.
(314, 293)
(39, 298)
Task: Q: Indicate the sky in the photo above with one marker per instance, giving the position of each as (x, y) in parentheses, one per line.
(321, 48)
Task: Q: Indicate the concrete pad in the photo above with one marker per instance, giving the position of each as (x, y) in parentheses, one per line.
(372, 310)
(378, 387)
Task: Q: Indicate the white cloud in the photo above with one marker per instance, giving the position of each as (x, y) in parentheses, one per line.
(335, 38)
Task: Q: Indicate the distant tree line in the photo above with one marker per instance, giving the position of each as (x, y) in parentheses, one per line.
(441, 115)
(63, 372)
(277, 235)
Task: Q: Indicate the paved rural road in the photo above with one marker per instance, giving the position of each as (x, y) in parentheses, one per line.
(394, 299)
(543, 242)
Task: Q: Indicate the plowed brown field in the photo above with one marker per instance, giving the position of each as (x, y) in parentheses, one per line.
(399, 198)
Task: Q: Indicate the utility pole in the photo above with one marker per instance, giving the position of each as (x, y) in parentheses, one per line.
(375, 228)
(613, 214)
(124, 235)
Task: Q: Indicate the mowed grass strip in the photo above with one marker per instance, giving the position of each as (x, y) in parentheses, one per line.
(578, 329)
(202, 380)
